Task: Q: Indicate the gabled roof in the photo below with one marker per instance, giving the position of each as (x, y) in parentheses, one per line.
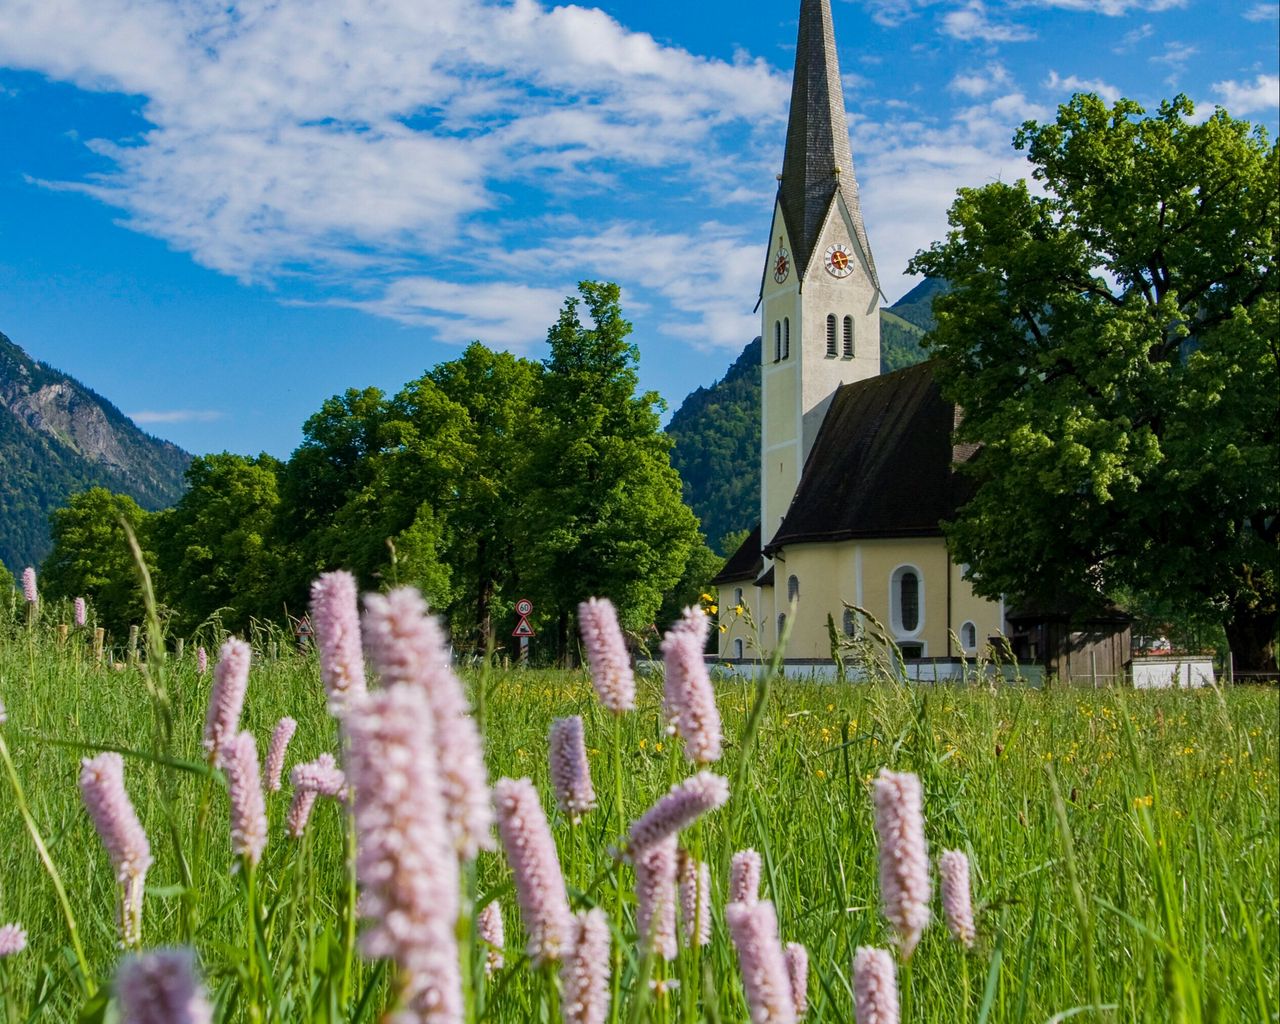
(817, 141)
(882, 465)
(743, 564)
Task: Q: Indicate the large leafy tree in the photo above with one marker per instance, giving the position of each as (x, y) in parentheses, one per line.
(605, 516)
(1114, 343)
(91, 557)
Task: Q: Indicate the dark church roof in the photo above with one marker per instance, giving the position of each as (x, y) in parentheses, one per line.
(743, 564)
(817, 140)
(882, 464)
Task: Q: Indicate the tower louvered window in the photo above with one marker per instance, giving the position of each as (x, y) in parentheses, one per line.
(786, 337)
(848, 337)
(777, 340)
(831, 334)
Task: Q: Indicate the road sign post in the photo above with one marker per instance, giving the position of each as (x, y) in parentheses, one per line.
(524, 608)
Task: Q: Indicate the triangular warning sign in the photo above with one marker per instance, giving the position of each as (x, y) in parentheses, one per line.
(523, 628)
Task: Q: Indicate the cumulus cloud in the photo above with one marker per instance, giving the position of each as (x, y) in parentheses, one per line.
(1240, 98)
(147, 416)
(1057, 84)
(973, 22)
(976, 84)
(1262, 12)
(1113, 8)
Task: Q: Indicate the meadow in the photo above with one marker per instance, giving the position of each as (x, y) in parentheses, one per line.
(1125, 846)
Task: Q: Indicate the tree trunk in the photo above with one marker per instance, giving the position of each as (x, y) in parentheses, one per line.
(1251, 635)
(484, 614)
(562, 639)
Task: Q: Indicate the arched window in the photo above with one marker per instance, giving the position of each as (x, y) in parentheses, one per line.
(969, 636)
(793, 588)
(737, 597)
(850, 622)
(782, 625)
(737, 649)
(786, 337)
(906, 600)
(777, 340)
(848, 337)
(831, 334)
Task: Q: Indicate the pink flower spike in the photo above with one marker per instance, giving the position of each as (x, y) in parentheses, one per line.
(744, 877)
(689, 698)
(406, 645)
(607, 656)
(108, 804)
(526, 837)
(321, 777)
(493, 935)
(905, 887)
(29, 585)
(656, 898)
(797, 958)
(683, 804)
(584, 976)
(695, 899)
(875, 987)
(244, 787)
(80, 614)
(754, 930)
(13, 940)
(285, 728)
(202, 661)
(226, 699)
(336, 614)
(570, 772)
(160, 987)
(406, 864)
(957, 899)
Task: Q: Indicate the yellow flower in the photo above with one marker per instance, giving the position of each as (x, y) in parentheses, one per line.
(713, 609)
(707, 597)
(658, 747)
(820, 773)
(1143, 801)
(738, 609)
(643, 744)
(724, 627)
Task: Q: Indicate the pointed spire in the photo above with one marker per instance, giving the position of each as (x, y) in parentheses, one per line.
(818, 159)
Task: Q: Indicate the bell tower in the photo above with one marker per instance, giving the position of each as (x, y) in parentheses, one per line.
(820, 295)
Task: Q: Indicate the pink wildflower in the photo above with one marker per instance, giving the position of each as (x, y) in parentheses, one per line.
(797, 958)
(160, 987)
(656, 898)
(695, 899)
(744, 877)
(202, 661)
(957, 900)
(406, 865)
(607, 655)
(754, 930)
(336, 615)
(80, 615)
(13, 940)
(4, 715)
(285, 728)
(493, 935)
(29, 585)
(108, 804)
(226, 699)
(526, 836)
(321, 777)
(584, 975)
(683, 804)
(570, 773)
(875, 987)
(406, 645)
(904, 856)
(689, 698)
(244, 787)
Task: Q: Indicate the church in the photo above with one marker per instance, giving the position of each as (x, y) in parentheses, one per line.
(857, 469)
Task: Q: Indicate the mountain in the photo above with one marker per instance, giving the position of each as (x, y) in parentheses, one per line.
(716, 430)
(57, 437)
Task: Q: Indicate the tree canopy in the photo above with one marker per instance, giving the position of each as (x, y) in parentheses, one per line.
(1113, 339)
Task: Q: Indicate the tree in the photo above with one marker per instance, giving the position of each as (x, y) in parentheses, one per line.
(1114, 346)
(91, 556)
(605, 515)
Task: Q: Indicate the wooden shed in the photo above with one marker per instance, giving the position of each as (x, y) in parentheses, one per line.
(1081, 647)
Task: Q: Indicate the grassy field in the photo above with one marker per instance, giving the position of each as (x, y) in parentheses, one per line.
(1151, 888)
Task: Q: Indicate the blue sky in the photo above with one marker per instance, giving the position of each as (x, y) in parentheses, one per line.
(217, 214)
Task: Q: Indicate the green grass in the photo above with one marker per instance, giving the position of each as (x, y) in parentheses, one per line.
(1169, 805)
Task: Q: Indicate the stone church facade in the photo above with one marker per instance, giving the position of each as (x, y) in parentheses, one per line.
(857, 470)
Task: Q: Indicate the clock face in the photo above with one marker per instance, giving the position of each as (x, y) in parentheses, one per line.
(839, 262)
(781, 265)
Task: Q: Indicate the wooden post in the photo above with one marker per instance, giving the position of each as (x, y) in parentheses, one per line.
(133, 645)
(99, 642)
(62, 633)
(1093, 668)
(1231, 668)
(178, 647)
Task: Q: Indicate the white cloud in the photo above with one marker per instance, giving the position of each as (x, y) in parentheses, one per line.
(1262, 12)
(1112, 8)
(1073, 84)
(1133, 37)
(971, 22)
(1240, 98)
(976, 84)
(175, 416)
(1175, 54)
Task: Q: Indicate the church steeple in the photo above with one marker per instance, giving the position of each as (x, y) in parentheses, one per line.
(818, 160)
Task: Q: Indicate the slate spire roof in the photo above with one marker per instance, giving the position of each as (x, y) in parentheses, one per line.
(817, 140)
